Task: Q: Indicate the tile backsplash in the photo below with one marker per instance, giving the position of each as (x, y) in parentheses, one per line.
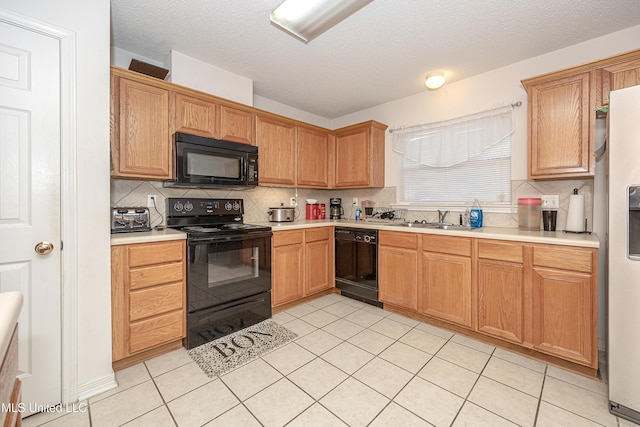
(257, 201)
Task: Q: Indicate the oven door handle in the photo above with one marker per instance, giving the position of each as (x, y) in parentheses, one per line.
(246, 236)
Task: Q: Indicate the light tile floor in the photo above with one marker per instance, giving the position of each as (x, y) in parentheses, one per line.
(357, 365)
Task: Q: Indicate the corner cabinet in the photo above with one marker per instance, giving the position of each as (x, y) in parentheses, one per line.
(140, 136)
(562, 126)
(302, 263)
(359, 156)
(312, 158)
(148, 299)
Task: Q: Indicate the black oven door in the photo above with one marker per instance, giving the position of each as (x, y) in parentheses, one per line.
(228, 286)
(220, 272)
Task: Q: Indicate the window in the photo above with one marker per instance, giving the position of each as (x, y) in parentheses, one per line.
(452, 163)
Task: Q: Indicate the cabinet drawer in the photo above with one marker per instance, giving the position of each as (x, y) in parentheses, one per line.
(399, 240)
(283, 238)
(564, 258)
(315, 234)
(447, 245)
(500, 251)
(155, 275)
(156, 253)
(156, 300)
(155, 331)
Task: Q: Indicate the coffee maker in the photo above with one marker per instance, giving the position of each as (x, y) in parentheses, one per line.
(335, 208)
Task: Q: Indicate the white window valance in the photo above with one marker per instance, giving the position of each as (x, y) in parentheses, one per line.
(451, 142)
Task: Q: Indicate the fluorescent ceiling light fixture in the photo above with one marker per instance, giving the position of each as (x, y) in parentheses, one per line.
(307, 19)
(434, 80)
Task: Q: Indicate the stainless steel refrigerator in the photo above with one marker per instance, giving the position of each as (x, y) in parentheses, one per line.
(624, 254)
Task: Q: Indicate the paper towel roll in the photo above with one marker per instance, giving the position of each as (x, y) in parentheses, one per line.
(575, 215)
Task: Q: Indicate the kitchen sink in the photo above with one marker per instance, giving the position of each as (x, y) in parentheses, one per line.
(436, 225)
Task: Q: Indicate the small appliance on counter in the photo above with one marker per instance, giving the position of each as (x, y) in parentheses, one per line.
(335, 208)
(282, 213)
(126, 220)
(314, 210)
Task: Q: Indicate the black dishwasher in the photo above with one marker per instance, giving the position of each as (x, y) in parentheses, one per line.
(357, 264)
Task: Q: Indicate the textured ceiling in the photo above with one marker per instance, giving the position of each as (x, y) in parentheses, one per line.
(379, 54)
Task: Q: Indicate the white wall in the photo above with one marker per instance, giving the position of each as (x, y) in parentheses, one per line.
(267, 104)
(90, 22)
(193, 73)
(491, 89)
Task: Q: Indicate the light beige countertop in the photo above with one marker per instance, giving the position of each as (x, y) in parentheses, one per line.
(499, 233)
(10, 306)
(147, 236)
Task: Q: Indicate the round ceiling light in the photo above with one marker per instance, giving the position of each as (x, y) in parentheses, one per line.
(434, 80)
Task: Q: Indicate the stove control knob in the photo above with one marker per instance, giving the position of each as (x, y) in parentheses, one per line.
(228, 206)
(178, 206)
(236, 206)
(188, 207)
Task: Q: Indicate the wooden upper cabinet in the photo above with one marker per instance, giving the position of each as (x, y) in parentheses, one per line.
(313, 158)
(276, 141)
(236, 125)
(562, 126)
(359, 156)
(195, 116)
(140, 137)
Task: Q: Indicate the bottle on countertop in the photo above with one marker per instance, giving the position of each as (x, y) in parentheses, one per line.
(357, 214)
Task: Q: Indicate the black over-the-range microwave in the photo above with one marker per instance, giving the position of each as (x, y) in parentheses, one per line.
(208, 162)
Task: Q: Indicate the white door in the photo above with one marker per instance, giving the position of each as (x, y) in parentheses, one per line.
(30, 202)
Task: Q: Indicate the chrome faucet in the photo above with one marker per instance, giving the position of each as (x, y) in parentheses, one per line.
(442, 215)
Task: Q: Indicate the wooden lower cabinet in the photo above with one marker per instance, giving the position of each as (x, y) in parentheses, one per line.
(500, 278)
(287, 270)
(302, 264)
(446, 278)
(398, 280)
(148, 297)
(501, 300)
(541, 297)
(319, 263)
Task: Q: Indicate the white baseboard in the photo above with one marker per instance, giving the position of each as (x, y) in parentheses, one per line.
(96, 387)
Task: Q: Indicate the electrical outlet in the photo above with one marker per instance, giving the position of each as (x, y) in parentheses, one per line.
(293, 202)
(550, 202)
(355, 200)
(151, 201)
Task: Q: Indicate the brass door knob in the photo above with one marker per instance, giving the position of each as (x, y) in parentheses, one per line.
(44, 248)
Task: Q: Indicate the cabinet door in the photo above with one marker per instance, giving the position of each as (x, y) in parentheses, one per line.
(447, 287)
(318, 260)
(195, 116)
(563, 317)
(398, 276)
(352, 162)
(561, 127)
(276, 142)
(144, 144)
(236, 125)
(287, 274)
(313, 158)
(500, 299)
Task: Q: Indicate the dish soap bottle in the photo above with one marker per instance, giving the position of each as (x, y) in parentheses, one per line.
(357, 214)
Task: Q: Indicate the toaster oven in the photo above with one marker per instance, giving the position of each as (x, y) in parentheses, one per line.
(125, 220)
